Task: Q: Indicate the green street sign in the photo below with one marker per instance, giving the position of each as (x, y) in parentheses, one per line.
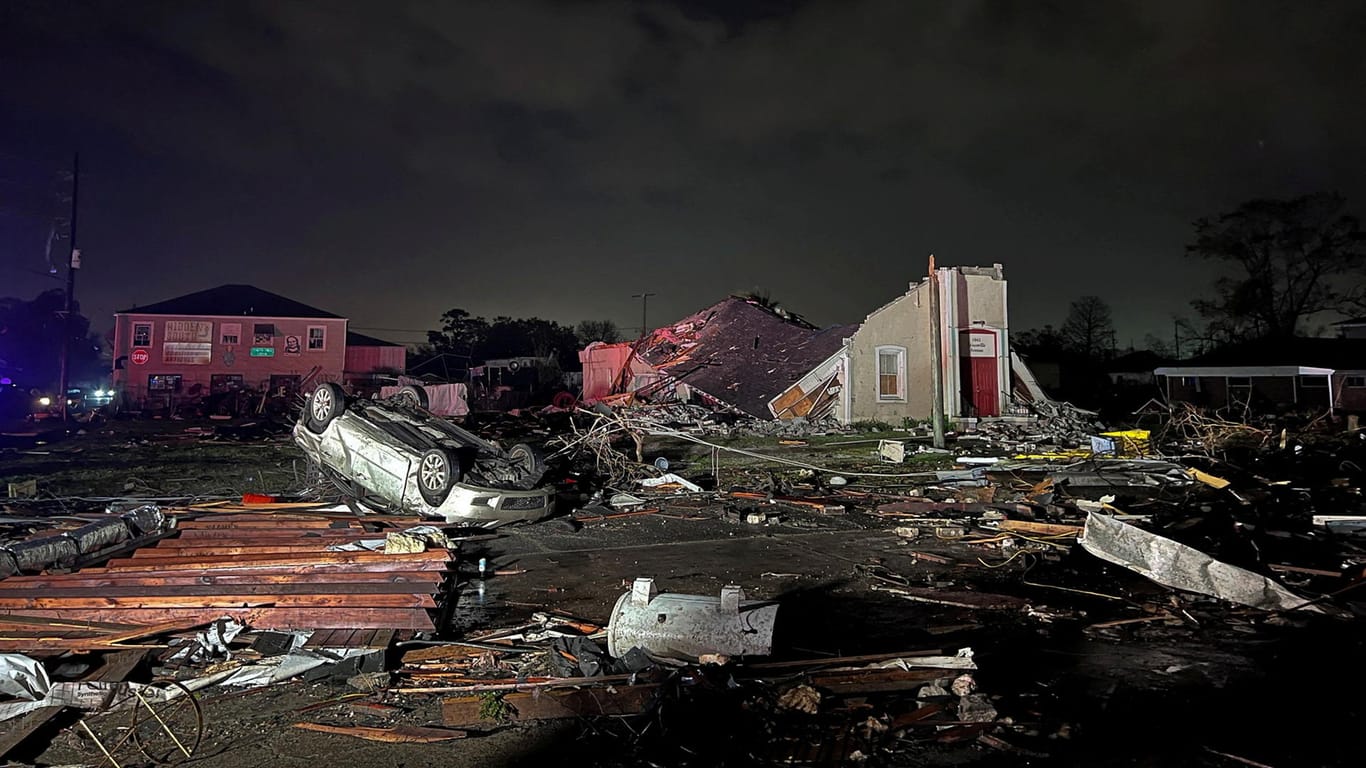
(263, 351)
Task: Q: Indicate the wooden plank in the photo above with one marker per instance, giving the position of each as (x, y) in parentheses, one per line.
(17, 731)
(1038, 529)
(321, 638)
(199, 538)
(8, 621)
(228, 513)
(313, 576)
(232, 550)
(403, 599)
(263, 520)
(263, 618)
(115, 669)
(876, 681)
(253, 561)
(363, 638)
(1279, 568)
(259, 523)
(553, 704)
(209, 590)
(399, 734)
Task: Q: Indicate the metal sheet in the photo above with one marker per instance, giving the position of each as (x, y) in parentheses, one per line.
(1178, 566)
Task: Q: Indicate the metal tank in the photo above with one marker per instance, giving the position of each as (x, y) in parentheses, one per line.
(688, 626)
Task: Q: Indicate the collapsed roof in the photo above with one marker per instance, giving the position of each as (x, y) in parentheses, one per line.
(740, 352)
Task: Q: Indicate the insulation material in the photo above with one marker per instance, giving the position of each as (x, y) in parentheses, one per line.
(100, 535)
(94, 696)
(146, 519)
(37, 554)
(22, 677)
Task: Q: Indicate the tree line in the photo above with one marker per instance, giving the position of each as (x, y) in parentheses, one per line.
(465, 341)
(1284, 263)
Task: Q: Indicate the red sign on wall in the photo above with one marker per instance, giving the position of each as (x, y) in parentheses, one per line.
(139, 357)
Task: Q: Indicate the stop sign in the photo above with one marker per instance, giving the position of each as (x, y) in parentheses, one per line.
(139, 357)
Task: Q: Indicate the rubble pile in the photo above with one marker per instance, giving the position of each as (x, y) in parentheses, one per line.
(1043, 528)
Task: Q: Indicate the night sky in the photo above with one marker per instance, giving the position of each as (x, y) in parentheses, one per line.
(393, 160)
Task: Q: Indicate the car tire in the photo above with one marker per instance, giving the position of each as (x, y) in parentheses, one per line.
(530, 464)
(326, 403)
(435, 475)
(410, 396)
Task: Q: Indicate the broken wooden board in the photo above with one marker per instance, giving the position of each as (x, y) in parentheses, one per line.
(957, 598)
(865, 681)
(1038, 529)
(553, 704)
(399, 734)
(116, 668)
(818, 505)
(264, 617)
(1213, 481)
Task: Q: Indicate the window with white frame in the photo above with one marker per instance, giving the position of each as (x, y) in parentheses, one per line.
(230, 334)
(163, 382)
(891, 373)
(142, 334)
(1354, 382)
(317, 338)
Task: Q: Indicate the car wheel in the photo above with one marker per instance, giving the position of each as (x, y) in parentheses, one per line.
(410, 396)
(435, 476)
(325, 404)
(529, 464)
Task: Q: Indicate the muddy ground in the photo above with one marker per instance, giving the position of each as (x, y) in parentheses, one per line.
(1274, 690)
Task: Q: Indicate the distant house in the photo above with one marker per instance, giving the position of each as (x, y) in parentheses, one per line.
(884, 370)
(774, 365)
(222, 339)
(1328, 374)
(1134, 369)
(368, 359)
(1354, 328)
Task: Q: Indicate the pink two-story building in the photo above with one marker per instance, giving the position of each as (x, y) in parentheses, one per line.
(223, 339)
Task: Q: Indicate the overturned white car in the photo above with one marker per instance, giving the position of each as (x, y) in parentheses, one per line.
(417, 463)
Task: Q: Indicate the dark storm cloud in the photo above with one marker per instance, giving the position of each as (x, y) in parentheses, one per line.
(552, 158)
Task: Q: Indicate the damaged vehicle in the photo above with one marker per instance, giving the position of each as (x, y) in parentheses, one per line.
(418, 463)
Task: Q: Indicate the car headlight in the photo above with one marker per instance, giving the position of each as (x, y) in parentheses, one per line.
(45, 401)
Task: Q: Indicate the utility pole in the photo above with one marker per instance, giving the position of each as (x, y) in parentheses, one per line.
(644, 302)
(936, 360)
(73, 263)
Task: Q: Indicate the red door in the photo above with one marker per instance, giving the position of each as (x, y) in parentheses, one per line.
(980, 380)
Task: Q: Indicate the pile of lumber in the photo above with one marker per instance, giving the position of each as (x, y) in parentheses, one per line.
(269, 570)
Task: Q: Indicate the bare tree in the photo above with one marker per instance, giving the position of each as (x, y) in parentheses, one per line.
(589, 331)
(1294, 258)
(1157, 345)
(1089, 330)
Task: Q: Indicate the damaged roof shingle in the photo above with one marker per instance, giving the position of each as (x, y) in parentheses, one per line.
(741, 352)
